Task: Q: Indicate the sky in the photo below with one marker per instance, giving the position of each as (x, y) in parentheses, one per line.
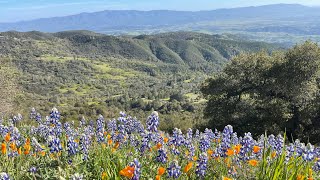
(19, 10)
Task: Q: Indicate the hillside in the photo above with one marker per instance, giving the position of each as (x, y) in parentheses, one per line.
(84, 72)
(191, 50)
(285, 23)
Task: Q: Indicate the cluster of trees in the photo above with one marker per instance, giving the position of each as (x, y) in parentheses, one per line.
(268, 92)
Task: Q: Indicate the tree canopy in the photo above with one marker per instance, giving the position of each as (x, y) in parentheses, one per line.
(275, 92)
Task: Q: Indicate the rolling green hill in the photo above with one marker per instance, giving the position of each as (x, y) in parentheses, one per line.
(87, 73)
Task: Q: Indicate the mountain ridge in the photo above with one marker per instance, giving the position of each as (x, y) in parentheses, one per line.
(189, 49)
(133, 20)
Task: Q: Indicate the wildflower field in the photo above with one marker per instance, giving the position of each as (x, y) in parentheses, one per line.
(124, 148)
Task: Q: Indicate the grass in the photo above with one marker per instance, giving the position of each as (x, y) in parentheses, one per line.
(61, 59)
(79, 90)
(106, 71)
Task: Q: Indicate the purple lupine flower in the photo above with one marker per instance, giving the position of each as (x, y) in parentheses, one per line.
(202, 165)
(77, 176)
(84, 146)
(153, 122)
(197, 135)
(33, 113)
(15, 135)
(192, 150)
(112, 126)
(316, 166)
(122, 114)
(133, 140)
(279, 143)
(174, 170)
(162, 155)
(4, 176)
(36, 146)
(247, 144)
(217, 135)
(100, 129)
(33, 170)
(209, 133)
(145, 145)
(54, 144)
(54, 116)
(137, 125)
(137, 169)
(122, 119)
(189, 134)
(177, 138)
(16, 119)
(72, 146)
(38, 118)
(289, 152)
(226, 137)
(299, 147)
(204, 143)
(234, 138)
(83, 122)
(309, 153)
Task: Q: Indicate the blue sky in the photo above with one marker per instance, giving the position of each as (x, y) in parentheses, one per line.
(17, 10)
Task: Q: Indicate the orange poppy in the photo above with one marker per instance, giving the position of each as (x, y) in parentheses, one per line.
(127, 172)
(116, 146)
(188, 167)
(165, 140)
(26, 152)
(273, 154)
(4, 148)
(256, 149)
(109, 141)
(195, 158)
(159, 145)
(300, 177)
(237, 148)
(42, 153)
(104, 176)
(27, 147)
(161, 171)
(226, 178)
(28, 141)
(253, 162)
(19, 151)
(7, 137)
(310, 174)
(13, 146)
(230, 152)
(210, 152)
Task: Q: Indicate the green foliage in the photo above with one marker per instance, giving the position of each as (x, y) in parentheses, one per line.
(8, 85)
(88, 74)
(277, 92)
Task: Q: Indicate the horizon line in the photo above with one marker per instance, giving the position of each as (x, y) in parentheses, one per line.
(88, 12)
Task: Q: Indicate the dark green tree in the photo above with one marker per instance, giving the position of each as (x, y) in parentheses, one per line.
(261, 92)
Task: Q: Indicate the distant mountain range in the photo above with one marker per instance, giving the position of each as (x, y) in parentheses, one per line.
(130, 20)
(279, 23)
